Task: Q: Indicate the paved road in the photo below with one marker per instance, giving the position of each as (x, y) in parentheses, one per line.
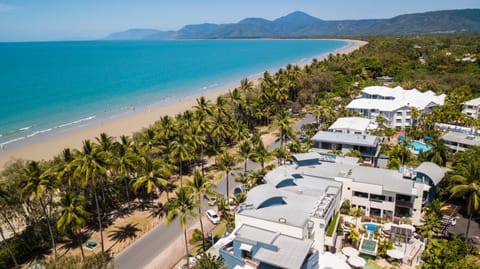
(144, 250)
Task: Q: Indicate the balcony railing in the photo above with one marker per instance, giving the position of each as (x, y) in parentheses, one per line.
(404, 203)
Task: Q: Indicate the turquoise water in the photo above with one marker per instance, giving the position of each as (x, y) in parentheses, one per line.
(370, 226)
(416, 146)
(419, 146)
(54, 87)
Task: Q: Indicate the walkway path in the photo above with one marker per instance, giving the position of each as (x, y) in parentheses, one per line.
(163, 247)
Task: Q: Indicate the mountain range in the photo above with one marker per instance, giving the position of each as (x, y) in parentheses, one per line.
(299, 24)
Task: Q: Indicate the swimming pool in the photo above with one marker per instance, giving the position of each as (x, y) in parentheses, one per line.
(369, 245)
(419, 146)
(370, 226)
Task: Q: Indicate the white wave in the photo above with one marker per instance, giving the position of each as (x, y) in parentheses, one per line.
(11, 141)
(39, 132)
(75, 122)
(26, 128)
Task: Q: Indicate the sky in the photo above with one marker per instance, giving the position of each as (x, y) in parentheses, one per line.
(35, 20)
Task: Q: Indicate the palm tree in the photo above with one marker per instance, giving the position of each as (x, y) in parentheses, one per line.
(151, 175)
(432, 225)
(466, 179)
(125, 161)
(207, 261)
(184, 209)
(90, 166)
(414, 114)
(281, 154)
(105, 142)
(73, 216)
(204, 105)
(260, 154)
(200, 187)
(354, 236)
(283, 121)
(226, 163)
(38, 187)
(4, 203)
(357, 213)
(322, 114)
(246, 85)
(181, 150)
(439, 152)
(245, 151)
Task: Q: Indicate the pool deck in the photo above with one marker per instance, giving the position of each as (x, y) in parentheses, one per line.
(410, 249)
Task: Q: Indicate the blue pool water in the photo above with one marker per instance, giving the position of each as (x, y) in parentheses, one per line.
(419, 146)
(48, 87)
(370, 226)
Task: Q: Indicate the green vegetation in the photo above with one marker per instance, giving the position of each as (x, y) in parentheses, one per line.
(112, 175)
(207, 261)
(449, 254)
(331, 226)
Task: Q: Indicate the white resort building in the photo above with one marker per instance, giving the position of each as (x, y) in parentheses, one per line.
(472, 108)
(352, 125)
(283, 223)
(394, 104)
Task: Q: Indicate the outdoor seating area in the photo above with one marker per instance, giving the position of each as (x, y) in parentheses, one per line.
(406, 249)
(353, 259)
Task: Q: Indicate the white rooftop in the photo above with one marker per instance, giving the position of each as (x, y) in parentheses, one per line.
(347, 139)
(399, 98)
(350, 123)
(473, 102)
(289, 253)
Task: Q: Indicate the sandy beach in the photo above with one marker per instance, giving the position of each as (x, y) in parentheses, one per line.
(127, 125)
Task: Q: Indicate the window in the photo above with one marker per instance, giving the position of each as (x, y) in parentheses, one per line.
(360, 194)
(377, 198)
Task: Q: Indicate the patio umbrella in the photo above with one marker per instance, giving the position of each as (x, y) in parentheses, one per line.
(329, 261)
(395, 253)
(349, 251)
(357, 261)
(341, 256)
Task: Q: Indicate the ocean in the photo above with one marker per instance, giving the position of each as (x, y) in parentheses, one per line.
(49, 88)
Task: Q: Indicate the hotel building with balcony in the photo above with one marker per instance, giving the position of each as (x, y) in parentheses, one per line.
(394, 104)
(283, 223)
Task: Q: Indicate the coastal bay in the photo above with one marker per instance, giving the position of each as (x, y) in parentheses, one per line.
(128, 123)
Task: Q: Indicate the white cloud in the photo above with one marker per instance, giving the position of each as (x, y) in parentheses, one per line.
(6, 8)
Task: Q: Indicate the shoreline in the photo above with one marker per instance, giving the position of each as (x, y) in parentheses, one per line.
(133, 122)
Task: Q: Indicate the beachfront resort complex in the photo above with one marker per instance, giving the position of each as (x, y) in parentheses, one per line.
(361, 160)
(287, 218)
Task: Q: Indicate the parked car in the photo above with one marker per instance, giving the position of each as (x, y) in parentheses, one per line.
(212, 216)
(212, 201)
